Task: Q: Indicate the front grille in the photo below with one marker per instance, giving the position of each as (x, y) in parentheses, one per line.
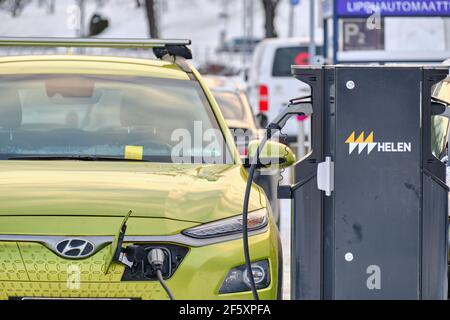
(34, 271)
(150, 290)
(26, 261)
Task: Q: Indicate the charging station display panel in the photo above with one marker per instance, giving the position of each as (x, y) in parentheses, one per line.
(377, 200)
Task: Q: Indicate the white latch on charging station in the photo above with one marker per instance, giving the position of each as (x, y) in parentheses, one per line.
(325, 176)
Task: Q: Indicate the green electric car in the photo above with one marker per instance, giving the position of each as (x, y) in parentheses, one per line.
(105, 159)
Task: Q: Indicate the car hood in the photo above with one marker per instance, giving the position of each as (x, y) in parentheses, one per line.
(184, 192)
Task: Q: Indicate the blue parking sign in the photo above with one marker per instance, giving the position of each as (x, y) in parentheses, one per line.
(394, 8)
(295, 2)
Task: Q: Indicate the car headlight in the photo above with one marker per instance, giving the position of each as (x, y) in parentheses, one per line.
(237, 279)
(255, 220)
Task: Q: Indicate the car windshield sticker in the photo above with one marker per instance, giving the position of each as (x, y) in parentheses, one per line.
(134, 152)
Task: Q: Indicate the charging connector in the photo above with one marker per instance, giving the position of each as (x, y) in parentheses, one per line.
(156, 258)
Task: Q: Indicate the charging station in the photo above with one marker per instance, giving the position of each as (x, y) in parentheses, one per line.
(369, 202)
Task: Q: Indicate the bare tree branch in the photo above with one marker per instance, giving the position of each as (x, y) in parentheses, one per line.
(150, 8)
(270, 7)
(15, 7)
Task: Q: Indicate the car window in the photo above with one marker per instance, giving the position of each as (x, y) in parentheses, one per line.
(102, 116)
(230, 105)
(233, 108)
(287, 56)
(440, 125)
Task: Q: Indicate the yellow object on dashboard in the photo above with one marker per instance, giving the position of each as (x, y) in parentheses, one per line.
(134, 152)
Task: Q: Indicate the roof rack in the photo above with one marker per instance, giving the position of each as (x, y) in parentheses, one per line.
(172, 50)
(90, 42)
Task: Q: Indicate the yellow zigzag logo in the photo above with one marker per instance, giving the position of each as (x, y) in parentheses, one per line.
(361, 143)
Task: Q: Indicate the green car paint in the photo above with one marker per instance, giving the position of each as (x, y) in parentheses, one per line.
(273, 150)
(183, 192)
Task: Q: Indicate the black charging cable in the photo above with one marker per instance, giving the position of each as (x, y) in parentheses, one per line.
(251, 173)
(156, 258)
(296, 107)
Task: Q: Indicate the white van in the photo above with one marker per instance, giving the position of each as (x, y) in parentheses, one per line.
(271, 84)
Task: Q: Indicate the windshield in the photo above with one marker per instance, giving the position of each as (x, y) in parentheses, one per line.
(136, 118)
(234, 109)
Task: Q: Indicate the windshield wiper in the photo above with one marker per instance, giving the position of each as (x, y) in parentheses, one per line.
(73, 158)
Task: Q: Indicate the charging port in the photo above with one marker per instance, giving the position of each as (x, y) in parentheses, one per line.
(150, 269)
(143, 270)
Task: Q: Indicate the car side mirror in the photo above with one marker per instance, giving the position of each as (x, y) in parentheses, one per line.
(274, 155)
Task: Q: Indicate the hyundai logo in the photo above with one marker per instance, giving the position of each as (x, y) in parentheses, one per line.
(74, 248)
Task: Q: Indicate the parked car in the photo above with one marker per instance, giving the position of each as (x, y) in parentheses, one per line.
(239, 116)
(96, 175)
(270, 83)
(236, 45)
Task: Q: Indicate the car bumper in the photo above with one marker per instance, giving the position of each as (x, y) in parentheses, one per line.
(31, 270)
